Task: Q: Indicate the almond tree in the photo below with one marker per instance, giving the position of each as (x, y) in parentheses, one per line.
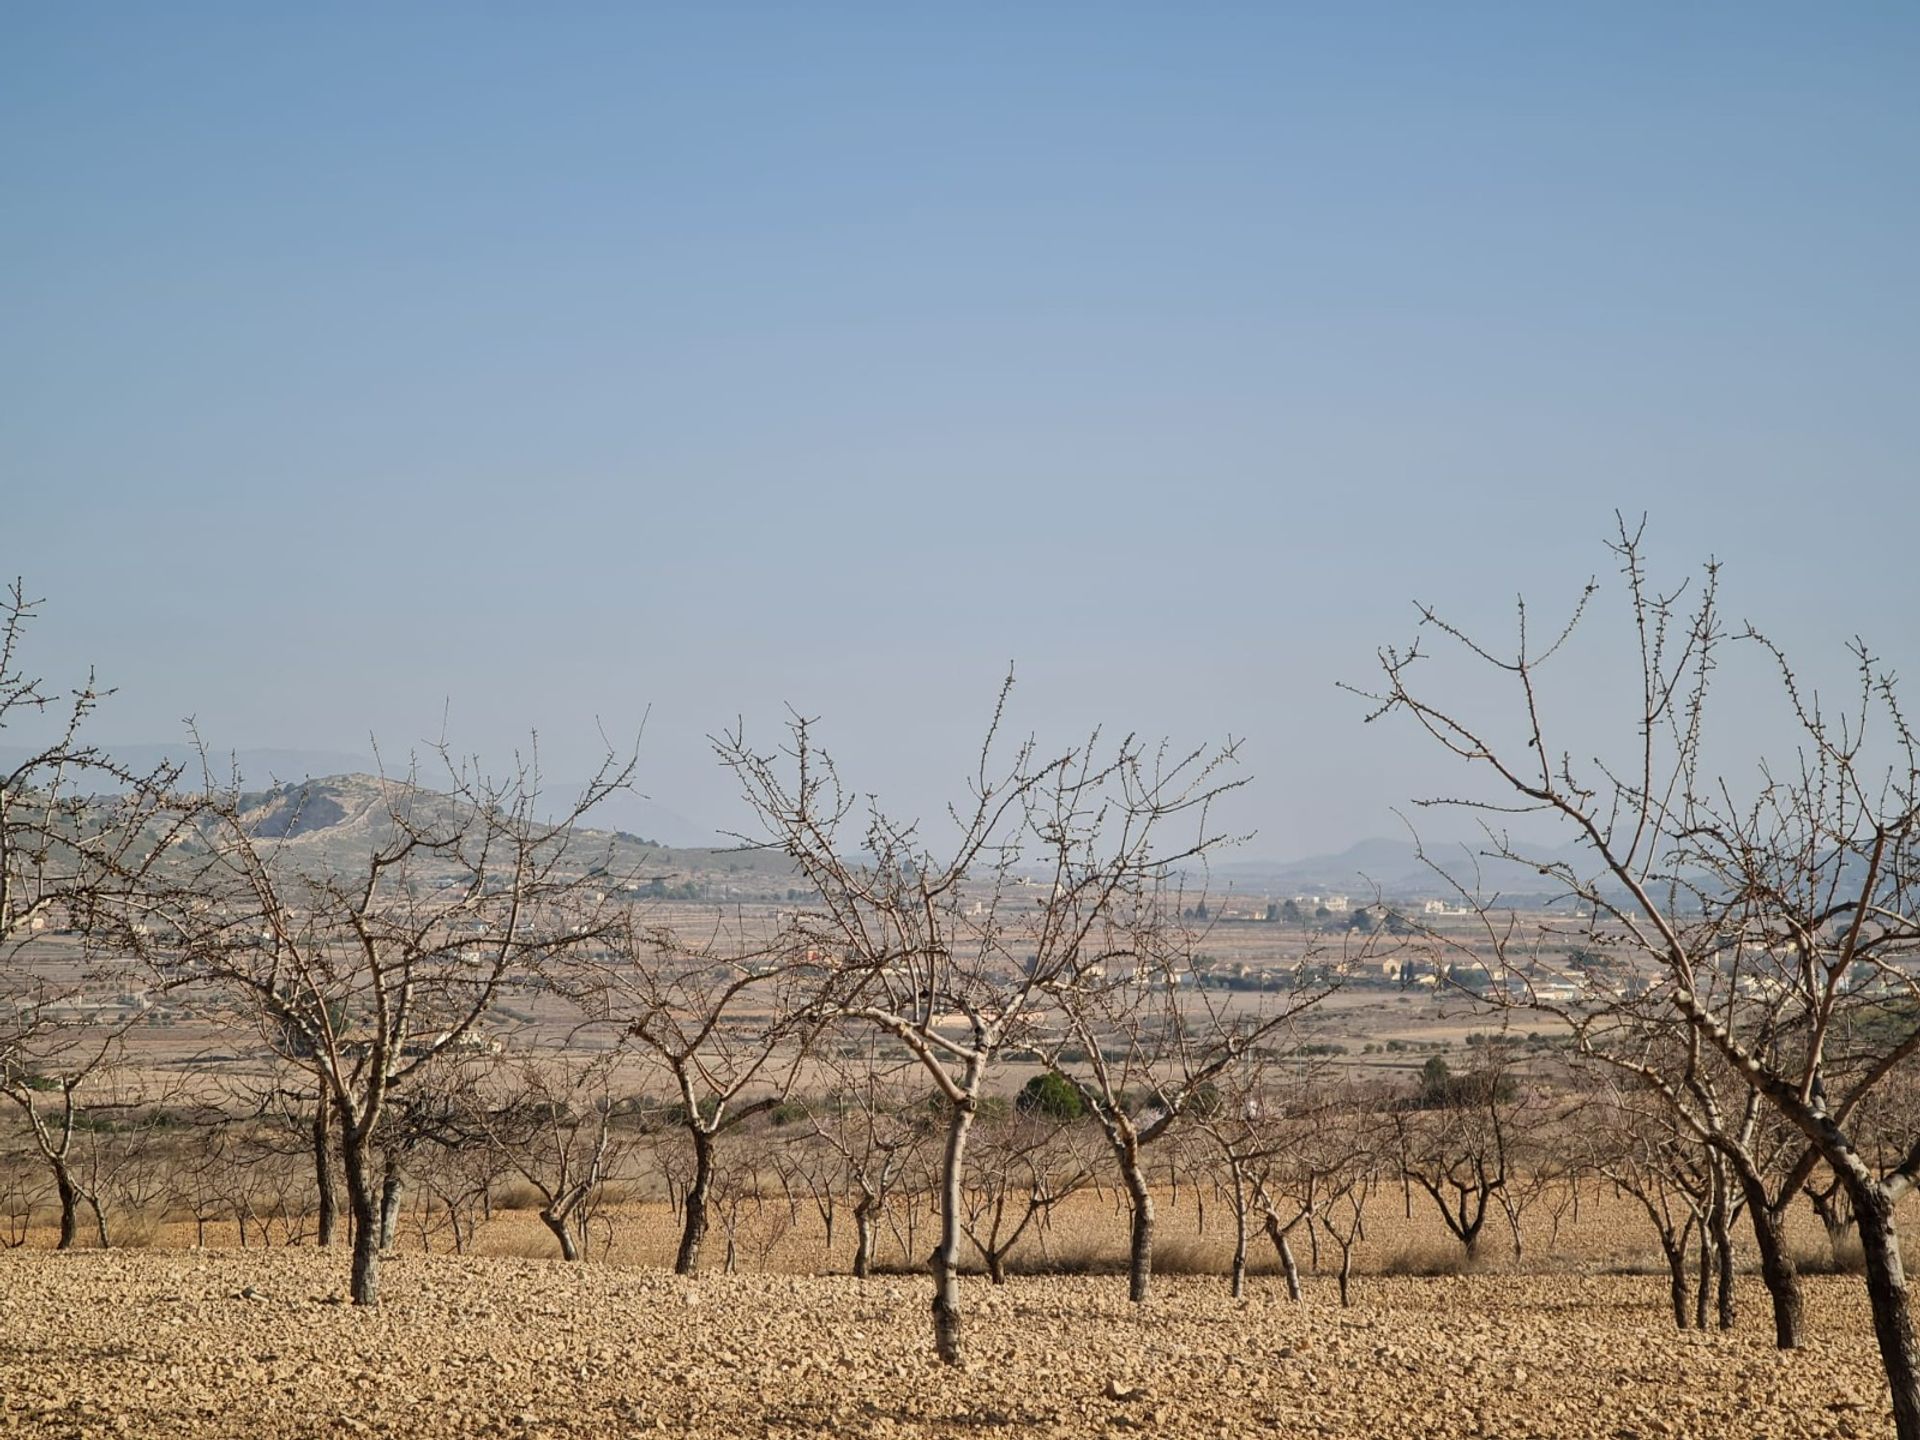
(949, 938)
(1797, 881)
(1456, 1140)
(551, 1123)
(1755, 1163)
(719, 1015)
(875, 1133)
(1296, 1139)
(50, 1068)
(1636, 1145)
(1022, 1166)
(379, 964)
(81, 838)
(1145, 1043)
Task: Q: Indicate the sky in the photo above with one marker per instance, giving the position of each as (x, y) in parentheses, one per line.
(369, 371)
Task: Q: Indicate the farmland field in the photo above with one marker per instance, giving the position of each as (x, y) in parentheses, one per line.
(1572, 1340)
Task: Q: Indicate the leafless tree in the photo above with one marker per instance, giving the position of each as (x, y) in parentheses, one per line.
(1636, 1144)
(368, 970)
(47, 1072)
(552, 1124)
(1457, 1139)
(723, 1017)
(80, 837)
(874, 1132)
(1144, 1042)
(1793, 883)
(1351, 1171)
(1022, 1166)
(1302, 1150)
(948, 941)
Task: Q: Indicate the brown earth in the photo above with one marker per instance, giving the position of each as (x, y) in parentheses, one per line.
(256, 1343)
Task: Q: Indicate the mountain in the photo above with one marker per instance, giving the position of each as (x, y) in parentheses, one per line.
(260, 766)
(263, 768)
(336, 820)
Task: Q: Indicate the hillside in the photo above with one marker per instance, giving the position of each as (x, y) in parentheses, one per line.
(337, 820)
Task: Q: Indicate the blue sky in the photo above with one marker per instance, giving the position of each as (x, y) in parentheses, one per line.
(546, 367)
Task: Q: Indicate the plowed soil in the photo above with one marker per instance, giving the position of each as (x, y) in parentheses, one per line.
(258, 1344)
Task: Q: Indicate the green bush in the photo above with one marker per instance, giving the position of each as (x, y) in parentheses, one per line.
(1051, 1095)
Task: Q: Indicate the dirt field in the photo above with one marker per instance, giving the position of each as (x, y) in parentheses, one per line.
(223, 1343)
(1569, 1341)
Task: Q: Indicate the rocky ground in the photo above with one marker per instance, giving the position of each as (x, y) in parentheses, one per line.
(258, 1344)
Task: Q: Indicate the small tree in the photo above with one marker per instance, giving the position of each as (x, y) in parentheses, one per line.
(949, 946)
(551, 1123)
(876, 1134)
(366, 969)
(81, 839)
(1145, 1043)
(1021, 1167)
(1457, 1140)
(723, 1020)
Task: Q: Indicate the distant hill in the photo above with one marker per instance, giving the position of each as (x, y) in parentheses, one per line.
(335, 820)
(264, 768)
(261, 767)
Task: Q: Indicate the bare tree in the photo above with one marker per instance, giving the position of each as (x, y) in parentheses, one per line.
(948, 945)
(1022, 1166)
(1457, 1139)
(81, 836)
(53, 1071)
(1794, 884)
(368, 969)
(552, 1124)
(1145, 1043)
(1636, 1144)
(1302, 1151)
(874, 1133)
(721, 1017)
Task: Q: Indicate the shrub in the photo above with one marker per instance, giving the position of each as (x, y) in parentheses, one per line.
(1052, 1095)
(787, 1112)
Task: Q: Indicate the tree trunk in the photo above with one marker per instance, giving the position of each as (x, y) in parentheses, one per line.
(563, 1232)
(1285, 1251)
(1887, 1291)
(1346, 1274)
(1836, 1217)
(1776, 1265)
(328, 1212)
(363, 1206)
(996, 1266)
(69, 1207)
(1721, 1224)
(693, 1227)
(1782, 1278)
(863, 1238)
(393, 1185)
(1140, 1248)
(946, 1255)
(1703, 1295)
(1239, 1280)
(1677, 1281)
(1723, 1275)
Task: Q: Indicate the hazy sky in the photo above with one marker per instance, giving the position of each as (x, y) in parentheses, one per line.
(557, 362)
